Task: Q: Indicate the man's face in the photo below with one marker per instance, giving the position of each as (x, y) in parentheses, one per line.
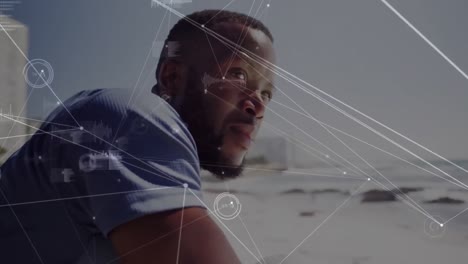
(226, 113)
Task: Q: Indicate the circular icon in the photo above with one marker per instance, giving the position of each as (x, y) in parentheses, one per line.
(38, 73)
(434, 229)
(227, 206)
(87, 163)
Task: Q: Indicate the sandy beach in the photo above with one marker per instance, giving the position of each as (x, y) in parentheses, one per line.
(320, 221)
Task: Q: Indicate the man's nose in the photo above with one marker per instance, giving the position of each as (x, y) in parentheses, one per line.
(253, 105)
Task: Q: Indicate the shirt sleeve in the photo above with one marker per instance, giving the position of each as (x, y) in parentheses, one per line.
(131, 161)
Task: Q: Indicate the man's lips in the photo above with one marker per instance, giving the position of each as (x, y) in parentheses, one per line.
(244, 131)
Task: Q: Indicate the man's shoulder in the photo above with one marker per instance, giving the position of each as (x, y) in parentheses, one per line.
(118, 99)
(124, 111)
(112, 104)
(119, 110)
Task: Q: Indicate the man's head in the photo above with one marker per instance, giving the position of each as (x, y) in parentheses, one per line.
(219, 90)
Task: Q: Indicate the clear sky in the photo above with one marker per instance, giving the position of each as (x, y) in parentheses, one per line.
(358, 51)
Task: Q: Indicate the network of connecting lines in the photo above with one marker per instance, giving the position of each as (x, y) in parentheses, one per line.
(345, 168)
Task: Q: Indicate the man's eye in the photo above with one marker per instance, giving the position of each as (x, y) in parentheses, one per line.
(266, 95)
(239, 75)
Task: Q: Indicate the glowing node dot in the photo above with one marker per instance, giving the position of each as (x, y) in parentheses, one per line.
(202, 26)
(441, 225)
(94, 218)
(185, 185)
(222, 172)
(344, 172)
(268, 5)
(368, 179)
(58, 102)
(40, 157)
(38, 73)
(327, 156)
(81, 128)
(206, 91)
(223, 77)
(219, 148)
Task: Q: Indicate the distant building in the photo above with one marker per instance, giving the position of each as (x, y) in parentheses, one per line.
(13, 89)
(273, 152)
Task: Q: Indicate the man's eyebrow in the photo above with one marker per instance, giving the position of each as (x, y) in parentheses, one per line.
(271, 86)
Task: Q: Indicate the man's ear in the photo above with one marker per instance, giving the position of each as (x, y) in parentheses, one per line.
(172, 78)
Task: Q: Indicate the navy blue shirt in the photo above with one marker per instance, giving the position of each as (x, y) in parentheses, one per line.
(97, 162)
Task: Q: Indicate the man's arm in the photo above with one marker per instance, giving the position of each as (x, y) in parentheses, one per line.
(155, 239)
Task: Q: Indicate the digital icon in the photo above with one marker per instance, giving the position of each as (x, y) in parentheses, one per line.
(434, 229)
(68, 175)
(100, 132)
(87, 163)
(111, 160)
(62, 175)
(227, 206)
(38, 73)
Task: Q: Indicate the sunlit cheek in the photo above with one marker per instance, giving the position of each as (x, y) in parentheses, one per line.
(224, 92)
(254, 135)
(234, 86)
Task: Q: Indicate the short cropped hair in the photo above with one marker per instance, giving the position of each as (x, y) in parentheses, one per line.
(209, 19)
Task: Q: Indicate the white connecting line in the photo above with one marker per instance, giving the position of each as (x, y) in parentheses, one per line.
(308, 135)
(309, 150)
(277, 70)
(39, 133)
(415, 206)
(455, 66)
(221, 222)
(284, 74)
(140, 74)
(272, 126)
(40, 75)
(85, 196)
(10, 206)
(413, 203)
(324, 221)
(251, 239)
(320, 143)
(375, 147)
(162, 236)
(285, 119)
(37, 120)
(181, 224)
(372, 129)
